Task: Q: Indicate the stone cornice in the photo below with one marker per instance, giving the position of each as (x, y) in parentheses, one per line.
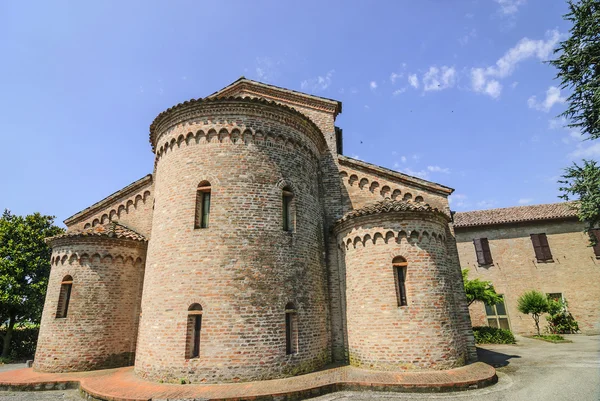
(394, 175)
(218, 108)
(273, 92)
(391, 218)
(95, 240)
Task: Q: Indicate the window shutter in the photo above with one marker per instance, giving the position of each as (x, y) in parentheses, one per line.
(545, 247)
(487, 254)
(596, 234)
(479, 251)
(537, 247)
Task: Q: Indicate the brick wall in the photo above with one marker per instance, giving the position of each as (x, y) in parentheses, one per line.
(101, 325)
(574, 271)
(133, 210)
(429, 332)
(244, 268)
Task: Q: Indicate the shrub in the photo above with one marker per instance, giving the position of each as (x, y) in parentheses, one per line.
(551, 337)
(22, 343)
(533, 303)
(560, 320)
(493, 335)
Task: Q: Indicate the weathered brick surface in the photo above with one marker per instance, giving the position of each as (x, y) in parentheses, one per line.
(101, 325)
(574, 272)
(132, 209)
(244, 268)
(425, 334)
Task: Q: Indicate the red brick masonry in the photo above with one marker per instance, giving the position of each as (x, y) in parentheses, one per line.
(122, 385)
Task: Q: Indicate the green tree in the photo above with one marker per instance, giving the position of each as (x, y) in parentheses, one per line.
(24, 270)
(533, 303)
(478, 290)
(578, 65)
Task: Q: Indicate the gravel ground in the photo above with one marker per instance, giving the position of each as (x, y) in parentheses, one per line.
(532, 370)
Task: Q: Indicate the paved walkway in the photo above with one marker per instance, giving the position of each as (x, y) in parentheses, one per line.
(123, 385)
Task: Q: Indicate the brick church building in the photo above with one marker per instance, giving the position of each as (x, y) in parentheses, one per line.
(256, 250)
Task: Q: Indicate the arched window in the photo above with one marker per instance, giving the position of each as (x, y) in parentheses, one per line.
(287, 209)
(399, 264)
(194, 326)
(291, 329)
(202, 205)
(64, 297)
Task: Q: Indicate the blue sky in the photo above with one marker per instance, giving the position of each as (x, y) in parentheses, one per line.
(453, 91)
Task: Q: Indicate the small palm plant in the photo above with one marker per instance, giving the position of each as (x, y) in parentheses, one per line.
(533, 303)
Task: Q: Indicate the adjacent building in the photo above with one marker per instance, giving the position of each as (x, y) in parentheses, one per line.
(541, 247)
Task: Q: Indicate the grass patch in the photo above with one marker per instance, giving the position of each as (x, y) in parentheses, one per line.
(552, 338)
(492, 335)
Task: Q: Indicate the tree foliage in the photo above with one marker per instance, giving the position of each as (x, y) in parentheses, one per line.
(24, 269)
(478, 290)
(583, 182)
(533, 303)
(578, 66)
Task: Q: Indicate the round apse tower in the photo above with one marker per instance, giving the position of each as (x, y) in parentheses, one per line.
(235, 283)
(404, 295)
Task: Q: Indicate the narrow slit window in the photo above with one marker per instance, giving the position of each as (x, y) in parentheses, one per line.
(202, 205)
(64, 297)
(194, 325)
(287, 209)
(291, 329)
(399, 264)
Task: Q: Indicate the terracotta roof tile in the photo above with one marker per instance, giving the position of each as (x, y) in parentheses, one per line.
(390, 205)
(112, 229)
(515, 214)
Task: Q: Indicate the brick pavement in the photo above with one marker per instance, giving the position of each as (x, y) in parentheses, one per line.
(123, 385)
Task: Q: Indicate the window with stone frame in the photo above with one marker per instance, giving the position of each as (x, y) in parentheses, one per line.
(291, 329)
(482, 250)
(399, 264)
(541, 247)
(194, 328)
(64, 297)
(497, 316)
(202, 205)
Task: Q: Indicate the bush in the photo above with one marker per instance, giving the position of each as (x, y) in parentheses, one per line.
(560, 320)
(493, 335)
(551, 337)
(23, 342)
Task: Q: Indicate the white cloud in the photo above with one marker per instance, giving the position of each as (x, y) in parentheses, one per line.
(399, 91)
(557, 123)
(267, 68)
(357, 157)
(524, 201)
(420, 174)
(552, 97)
(489, 203)
(394, 77)
(509, 7)
(373, 85)
(514, 84)
(413, 81)
(524, 49)
(439, 78)
(458, 200)
(438, 169)
(466, 38)
(583, 151)
(403, 158)
(319, 83)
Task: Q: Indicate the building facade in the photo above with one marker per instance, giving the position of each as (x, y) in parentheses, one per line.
(256, 250)
(538, 247)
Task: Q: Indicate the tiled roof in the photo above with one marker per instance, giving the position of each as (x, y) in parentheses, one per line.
(112, 230)
(390, 205)
(516, 214)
